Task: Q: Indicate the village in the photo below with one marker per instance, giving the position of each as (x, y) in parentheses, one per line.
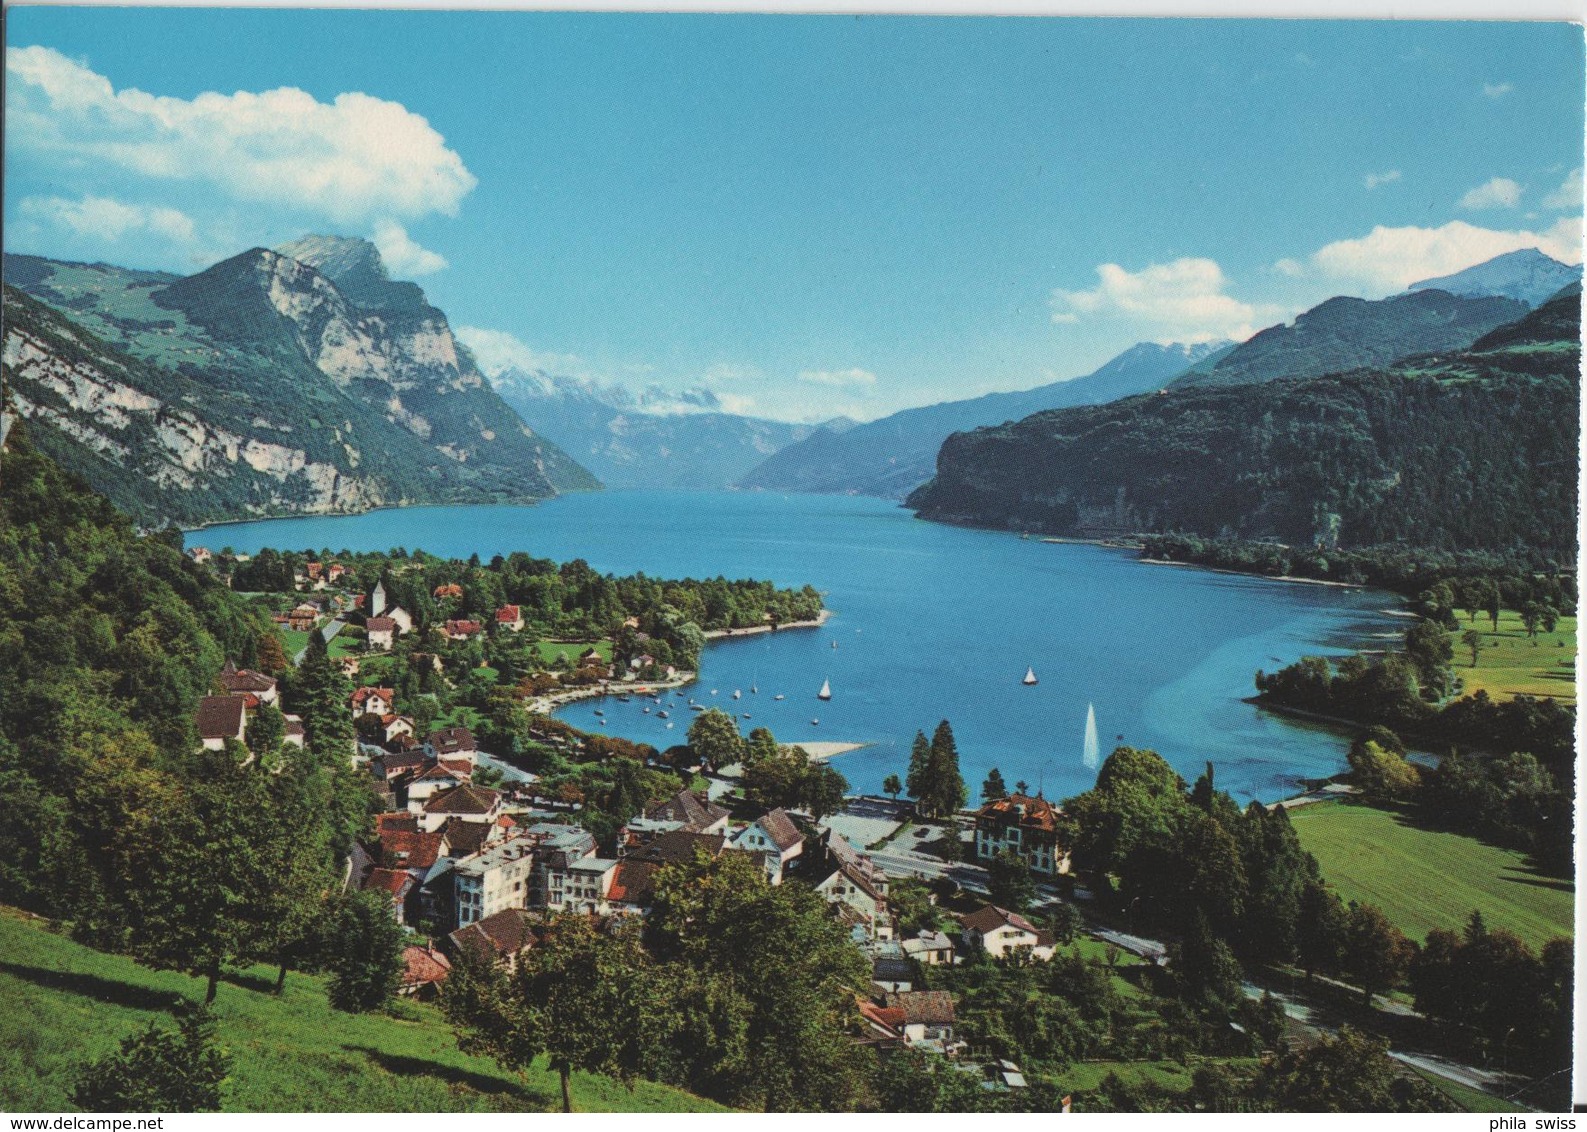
(472, 865)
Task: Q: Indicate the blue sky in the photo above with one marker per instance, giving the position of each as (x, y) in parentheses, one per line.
(811, 214)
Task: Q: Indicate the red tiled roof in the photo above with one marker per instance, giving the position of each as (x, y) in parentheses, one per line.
(246, 680)
(458, 768)
(363, 694)
(450, 590)
(784, 834)
(465, 838)
(634, 882)
(989, 917)
(220, 717)
(693, 810)
(1037, 813)
(451, 740)
(463, 800)
(395, 822)
(395, 881)
(506, 932)
(888, 1017)
(400, 849)
(424, 965)
(454, 628)
(507, 614)
(932, 1007)
(677, 846)
(380, 625)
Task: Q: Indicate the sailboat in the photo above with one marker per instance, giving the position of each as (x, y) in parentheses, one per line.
(1030, 676)
(736, 693)
(826, 690)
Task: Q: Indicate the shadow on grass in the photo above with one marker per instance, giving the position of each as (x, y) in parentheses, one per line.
(111, 991)
(453, 1075)
(1418, 817)
(249, 982)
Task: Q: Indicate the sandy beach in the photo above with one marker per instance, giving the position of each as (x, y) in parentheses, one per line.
(821, 751)
(1249, 574)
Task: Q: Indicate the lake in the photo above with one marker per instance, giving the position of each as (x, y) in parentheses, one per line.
(931, 622)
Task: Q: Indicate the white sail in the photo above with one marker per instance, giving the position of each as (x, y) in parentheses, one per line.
(1089, 755)
(1030, 676)
(826, 690)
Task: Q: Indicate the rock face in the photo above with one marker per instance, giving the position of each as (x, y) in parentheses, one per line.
(264, 388)
(892, 456)
(1527, 276)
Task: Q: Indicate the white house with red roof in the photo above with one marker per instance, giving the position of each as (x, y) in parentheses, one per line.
(510, 618)
(380, 701)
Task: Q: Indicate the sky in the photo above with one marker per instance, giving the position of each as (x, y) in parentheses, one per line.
(808, 215)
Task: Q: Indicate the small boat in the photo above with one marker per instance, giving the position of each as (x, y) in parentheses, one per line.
(815, 723)
(598, 711)
(834, 644)
(826, 690)
(661, 715)
(647, 709)
(696, 707)
(745, 715)
(1030, 676)
(778, 696)
(623, 699)
(713, 691)
(669, 727)
(736, 693)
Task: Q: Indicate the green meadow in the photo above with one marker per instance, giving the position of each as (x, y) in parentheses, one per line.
(1426, 878)
(67, 1004)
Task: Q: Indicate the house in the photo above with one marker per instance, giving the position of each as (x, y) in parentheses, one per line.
(348, 664)
(399, 885)
(998, 932)
(1029, 827)
(316, 570)
(380, 701)
(583, 885)
(294, 734)
(671, 847)
(246, 682)
(690, 812)
(845, 876)
(776, 837)
(402, 617)
(633, 886)
(883, 1025)
(381, 631)
(465, 803)
(454, 743)
(927, 1018)
(424, 969)
(591, 658)
(431, 779)
(392, 726)
(463, 630)
(509, 617)
(199, 554)
(303, 617)
(497, 878)
(890, 974)
(930, 948)
(559, 847)
(221, 718)
(335, 571)
(505, 935)
(450, 590)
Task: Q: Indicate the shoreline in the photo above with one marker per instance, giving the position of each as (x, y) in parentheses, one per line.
(726, 634)
(1253, 574)
(822, 750)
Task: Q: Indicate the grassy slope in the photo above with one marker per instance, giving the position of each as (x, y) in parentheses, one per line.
(1510, 663)
(548, 650)
(66, 1004)
(1424, 879)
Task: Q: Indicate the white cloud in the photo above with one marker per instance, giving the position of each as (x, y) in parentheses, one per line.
(402, 256)
(1182, 301)
(1390, 259)
(1501, 192)
(737, 403)
(1373, 180)
(353, 159)
(727, 372)
(838, 379)
(110, 220)
(1568, 196)
(496, 350)
(1497, 90)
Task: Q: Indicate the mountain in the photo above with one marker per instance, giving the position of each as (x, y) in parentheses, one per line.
(1527, 275)
(652, 438)
(892, 456)
(1345, 333)
(1471, 450)
(258, 387)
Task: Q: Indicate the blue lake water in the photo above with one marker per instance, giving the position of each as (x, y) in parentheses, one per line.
(931, 622)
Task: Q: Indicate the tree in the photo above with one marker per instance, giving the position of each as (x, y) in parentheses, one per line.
(1376, 951)
(762, 746)
(714, 738)
(1022, 787)
(993, 789)
(822, 790)
(159, 1070)
(1473, 642)
(794, 971)
(1381, 773)
(1346, 1072)
(919, 766)
(366, 954)
(1322, 930)
(265, 731)
(939, 789)
(1009, 881)
(1206, 973)
(892, 787)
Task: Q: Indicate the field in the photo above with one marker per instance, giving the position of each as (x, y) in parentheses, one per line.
(548, 650)
(67, 1004)
(1510, 663)
(294, 641)
(1424, 879)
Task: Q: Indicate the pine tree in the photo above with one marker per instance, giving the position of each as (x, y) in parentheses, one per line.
(945, 790)
(919, 767)
(159, 1070)
(993, 789)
